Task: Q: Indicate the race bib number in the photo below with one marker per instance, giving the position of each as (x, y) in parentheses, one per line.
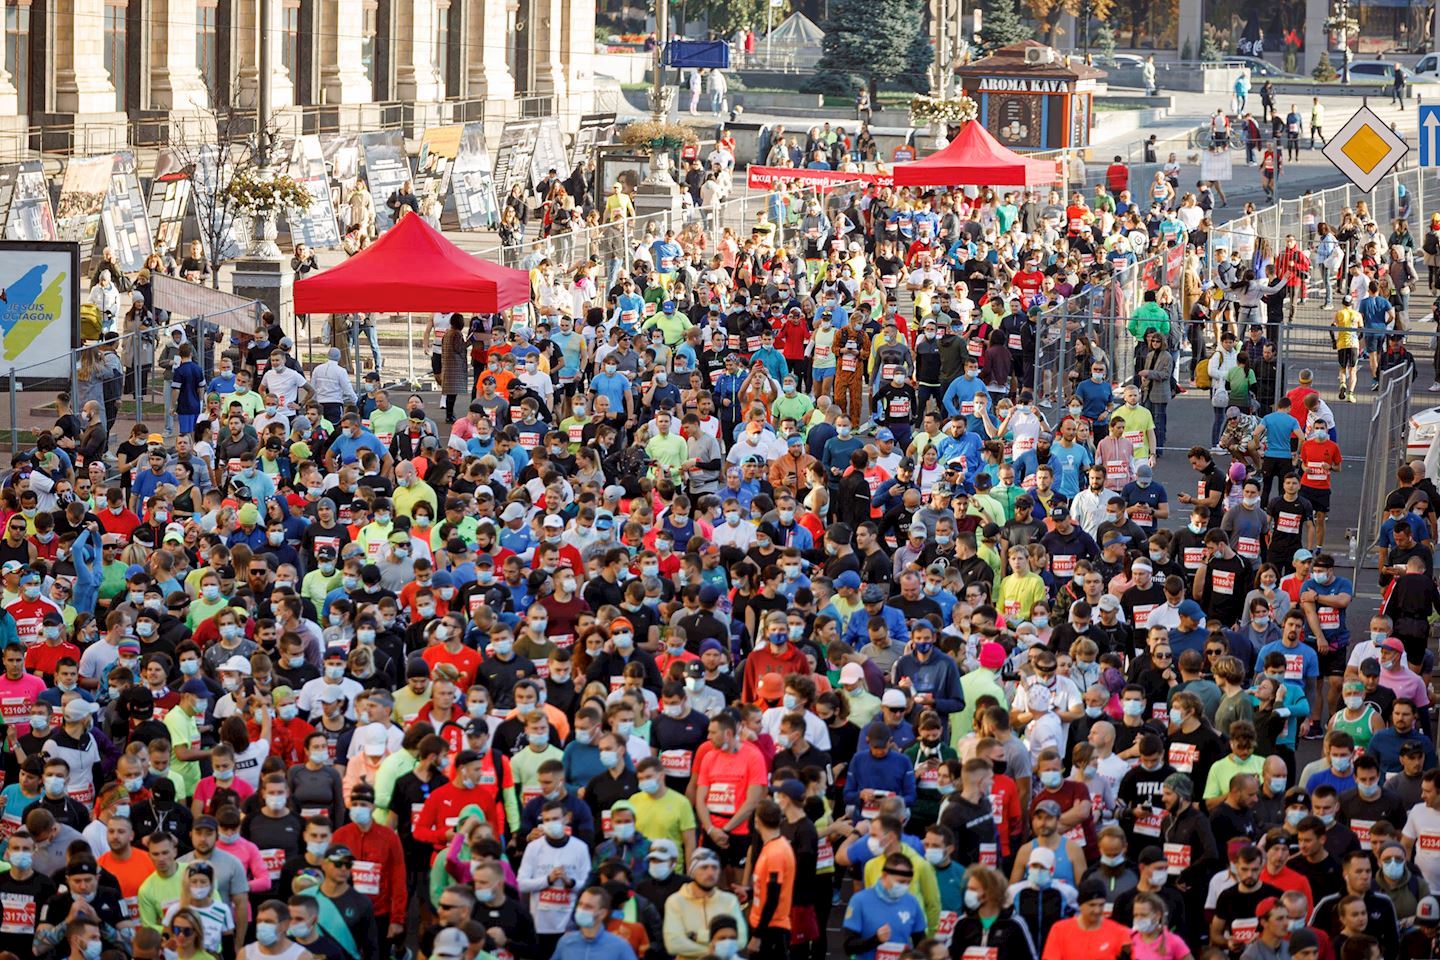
(275, 858)
(17, 913)
(1294, 666)
(366, 877)
(84, 795)
(752, 344)
(870, 809)
(1223, 581)
(887, 370)
(990, 854)
(824, 855)
(997, 806)
(980, 953)
(1149, 824)
(976, 346)
(891, 951)
(529, 793)
(1288, 523)
(946, 928)
(1136, 437)
(849, 363)
(1329, 618)
(927, 775)
(1248, 547)
(1183, 756)
(1144, 517)
(900, 408)
(529, 440)
(576, 432)
(1158, 711)
(1177, 857)
(1062, 564)
(1117, 469)
(1245, 930)
(1076, 835)
(1362, 832)
(1013, 341)
(14, 708)
(721, 798)
(1430, 842)
(1315, 471)
(629, 316)
(1193, 557)
(1142, 614)
(822, 351)
(552, 899)
(676, 763)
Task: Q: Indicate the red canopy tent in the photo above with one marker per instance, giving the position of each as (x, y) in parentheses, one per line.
(412, 269)
(975, 158)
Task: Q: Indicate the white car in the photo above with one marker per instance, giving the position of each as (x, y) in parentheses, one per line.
(1383, 71)
(1427, 66)
(1424, 429)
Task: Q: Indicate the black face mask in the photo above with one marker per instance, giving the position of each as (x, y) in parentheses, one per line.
(999, 766)
(814, 807)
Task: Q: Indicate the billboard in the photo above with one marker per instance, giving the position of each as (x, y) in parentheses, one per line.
(82, 198)
(513, 158)
(39, 307)
(316, 224)
(472, 188)
(387, 167)
(25, 212)
(549, 151)
(127, 227)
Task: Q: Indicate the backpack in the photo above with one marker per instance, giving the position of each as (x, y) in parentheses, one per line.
(1202, 375)
(1431, 244)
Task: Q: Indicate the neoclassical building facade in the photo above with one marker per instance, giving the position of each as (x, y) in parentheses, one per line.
(336, 64)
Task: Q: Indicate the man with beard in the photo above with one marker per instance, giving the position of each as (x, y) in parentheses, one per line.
(1189, 848)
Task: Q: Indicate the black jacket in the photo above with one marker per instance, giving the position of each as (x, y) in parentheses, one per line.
(1009, 936)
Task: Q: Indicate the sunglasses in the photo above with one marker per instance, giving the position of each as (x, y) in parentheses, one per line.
(183, 931)
(1161, 656)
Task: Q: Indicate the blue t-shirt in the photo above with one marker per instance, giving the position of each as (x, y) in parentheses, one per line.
(347, 450)
(614, 386)
(147, 482)
(1279, 427)
(189, 379)
(1094, 396)
(868, 912)
(1373, 311)
(1068, 465)
(1416, 525)
(1296, 671)
(1332, 619)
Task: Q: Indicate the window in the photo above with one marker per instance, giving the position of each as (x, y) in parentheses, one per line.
(207, 51)
(17, 48)
(290, 36)
(115, 49)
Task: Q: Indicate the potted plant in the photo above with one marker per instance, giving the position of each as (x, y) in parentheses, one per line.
(942, 114)
(260, 196)
(660, 138)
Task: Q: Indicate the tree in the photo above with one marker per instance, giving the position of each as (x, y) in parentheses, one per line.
(868, 41)
(1049, 13)
(1102, 38)
(727, 16)
(1001, 25)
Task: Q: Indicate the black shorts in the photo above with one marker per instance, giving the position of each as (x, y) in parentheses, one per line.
(1348, 356)
(734, 854)
(1319, 499)
(1332, 663)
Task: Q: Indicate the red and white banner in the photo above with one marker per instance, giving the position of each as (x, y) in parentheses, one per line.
(763, 178)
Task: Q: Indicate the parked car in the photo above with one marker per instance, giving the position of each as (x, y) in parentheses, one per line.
(1258, 67)
(1424, 431)
(1383, 71)
(1427, 66)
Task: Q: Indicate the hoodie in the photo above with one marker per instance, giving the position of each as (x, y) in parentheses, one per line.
(688, 913)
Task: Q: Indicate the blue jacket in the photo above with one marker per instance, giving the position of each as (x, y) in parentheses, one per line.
(1385, 748)
(89, 572)
(893, 773)
(937, 676)
(857, 630)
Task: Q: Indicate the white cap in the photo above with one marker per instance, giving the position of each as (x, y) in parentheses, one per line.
(236, 664)
(450, 944)
(331, 693)
(375, 738)
(851, 673)
(80, 708)
(1042, 857)
(554, 520)
(894, 699)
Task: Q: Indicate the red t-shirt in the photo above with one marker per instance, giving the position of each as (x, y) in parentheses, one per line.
(724, 779)
(1071, 792)
(42, 657)
(1314, 454)
(29, 618)
(467, 661)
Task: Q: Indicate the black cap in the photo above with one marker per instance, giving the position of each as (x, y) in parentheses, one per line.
(1091, 888)
(206, 822)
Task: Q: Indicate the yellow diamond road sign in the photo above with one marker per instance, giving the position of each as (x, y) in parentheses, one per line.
(1365, 149)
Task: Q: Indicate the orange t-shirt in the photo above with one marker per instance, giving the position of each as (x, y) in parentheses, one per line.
(467, 661)
(632, 933)
(776, 861)
(129, 874)
(724, 779)
(1069, 941)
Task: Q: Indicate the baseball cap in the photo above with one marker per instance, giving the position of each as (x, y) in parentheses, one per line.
(894, 699)
(1040, 856)
(236, 664)
(851, 673)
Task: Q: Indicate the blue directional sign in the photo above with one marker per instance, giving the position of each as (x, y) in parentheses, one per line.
(1430, 136)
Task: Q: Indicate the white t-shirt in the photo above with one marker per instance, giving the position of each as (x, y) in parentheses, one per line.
(815, 729)
(1423, 826)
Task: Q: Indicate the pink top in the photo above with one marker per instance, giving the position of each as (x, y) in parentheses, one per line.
(205, 791)
(16, 696)
(255, 869)
(1168, 946)
(1405, 683)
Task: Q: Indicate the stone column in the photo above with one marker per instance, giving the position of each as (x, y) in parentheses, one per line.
(9, 96)
(577, 53)
(417, 74)
(82, 85)
(1191, 27)
(487, 74)
(545, 34)
(247, 46)
(342, 74)
(175, 82)
(1316, 39)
